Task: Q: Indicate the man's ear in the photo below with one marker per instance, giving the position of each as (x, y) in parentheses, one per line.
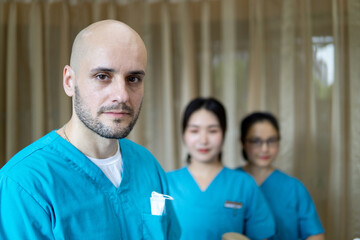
(69, 81)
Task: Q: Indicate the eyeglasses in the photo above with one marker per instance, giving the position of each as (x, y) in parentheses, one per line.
(258, 143)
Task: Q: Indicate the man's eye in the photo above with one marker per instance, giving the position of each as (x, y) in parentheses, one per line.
(134, 79)
(102, 77)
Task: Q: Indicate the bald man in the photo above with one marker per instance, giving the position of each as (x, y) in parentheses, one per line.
(85, 180)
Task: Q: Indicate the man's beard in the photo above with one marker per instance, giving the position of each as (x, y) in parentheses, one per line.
(94, 124)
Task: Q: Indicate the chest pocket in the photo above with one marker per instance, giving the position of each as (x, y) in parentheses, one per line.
(233, 217)
(154, 227)
(205, 218)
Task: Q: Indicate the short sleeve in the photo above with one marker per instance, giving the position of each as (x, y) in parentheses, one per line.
(21, 217)
(260, 222)
(309, 222)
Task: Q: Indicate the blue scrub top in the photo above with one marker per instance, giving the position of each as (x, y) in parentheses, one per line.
(293, 209)
(50, 190)
(231, 203)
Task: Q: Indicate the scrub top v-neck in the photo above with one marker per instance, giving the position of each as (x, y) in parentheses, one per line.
(231, 203)
(50, 190)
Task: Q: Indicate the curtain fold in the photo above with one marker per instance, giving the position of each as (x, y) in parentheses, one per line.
(11, 136)
(306, 162)
(354, 108)
(257, 83)
(36, 68)
(3, 56)
(296, 58)
(228, 47)
(185, 28)
(337, 178)
(62, 112)
(205, 50)
(169, 133)
(287, 91)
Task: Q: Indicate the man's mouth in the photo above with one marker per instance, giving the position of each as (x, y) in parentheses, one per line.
(117, 113)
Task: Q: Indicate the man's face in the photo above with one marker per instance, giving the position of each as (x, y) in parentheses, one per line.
(109, 88)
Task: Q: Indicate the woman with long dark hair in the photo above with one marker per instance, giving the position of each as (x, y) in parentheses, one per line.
(210, 199)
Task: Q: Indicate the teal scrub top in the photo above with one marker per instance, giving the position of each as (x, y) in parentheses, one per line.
(50, 190)
(292, 206)
(231, 203)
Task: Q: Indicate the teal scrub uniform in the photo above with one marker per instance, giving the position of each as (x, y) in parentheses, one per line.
(50, 190)
(231, 203)
(293, 209)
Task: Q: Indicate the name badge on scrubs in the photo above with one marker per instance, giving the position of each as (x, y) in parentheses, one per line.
(233, 205)
(157, 201)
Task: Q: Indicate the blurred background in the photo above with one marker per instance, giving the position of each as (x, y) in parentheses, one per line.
(299, 59)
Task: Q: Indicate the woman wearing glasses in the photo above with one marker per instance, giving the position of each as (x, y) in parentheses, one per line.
(291, 204)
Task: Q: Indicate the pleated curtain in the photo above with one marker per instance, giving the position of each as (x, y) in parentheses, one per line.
(299, 59)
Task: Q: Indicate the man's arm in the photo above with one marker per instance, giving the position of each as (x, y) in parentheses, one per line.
(21, 216)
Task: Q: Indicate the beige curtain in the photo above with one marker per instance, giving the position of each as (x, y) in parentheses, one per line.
(296, 58)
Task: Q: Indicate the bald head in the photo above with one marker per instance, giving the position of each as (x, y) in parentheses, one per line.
(106, 78)
(104, 34)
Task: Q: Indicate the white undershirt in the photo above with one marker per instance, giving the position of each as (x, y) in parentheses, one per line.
(112, 167)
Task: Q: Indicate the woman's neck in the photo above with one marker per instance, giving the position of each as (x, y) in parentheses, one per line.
(204, 173)
(259, 173)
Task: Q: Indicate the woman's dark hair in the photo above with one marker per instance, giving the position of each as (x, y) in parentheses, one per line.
(210, 104)
(253, 118)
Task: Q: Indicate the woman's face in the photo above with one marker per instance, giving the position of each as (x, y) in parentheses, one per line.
(203, 136)
(261, 144)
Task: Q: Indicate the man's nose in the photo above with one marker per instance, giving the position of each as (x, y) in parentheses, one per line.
(119, 91)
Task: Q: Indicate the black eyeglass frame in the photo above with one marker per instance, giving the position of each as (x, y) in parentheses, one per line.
(258, 143)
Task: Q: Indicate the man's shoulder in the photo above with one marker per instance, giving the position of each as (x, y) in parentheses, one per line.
(137, 153)
(128, 147)
(129, 143)
(177, 172)
(28, 155)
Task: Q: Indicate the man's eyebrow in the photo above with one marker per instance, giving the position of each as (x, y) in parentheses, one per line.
(111, 70)
(139, 72)
(102, 69)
